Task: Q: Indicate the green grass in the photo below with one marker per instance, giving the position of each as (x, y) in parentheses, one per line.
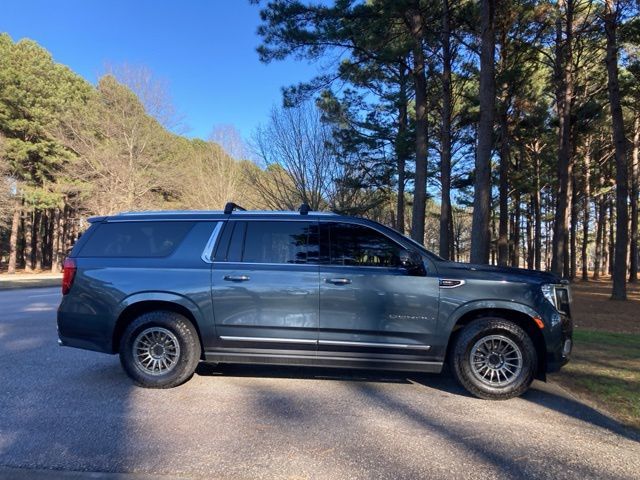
(606, 367)
(595, 337)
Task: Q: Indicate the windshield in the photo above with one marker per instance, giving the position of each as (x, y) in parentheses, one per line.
(416, 244)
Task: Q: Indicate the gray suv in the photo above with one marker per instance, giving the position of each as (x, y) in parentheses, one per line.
(167, 290)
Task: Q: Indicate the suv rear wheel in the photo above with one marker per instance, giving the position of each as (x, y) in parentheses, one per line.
(494, 359)
(160, 349)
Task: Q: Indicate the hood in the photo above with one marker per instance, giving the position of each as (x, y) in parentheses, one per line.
(471, 270)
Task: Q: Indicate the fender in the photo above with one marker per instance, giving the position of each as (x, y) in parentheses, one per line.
(452, 319)
(200, 312)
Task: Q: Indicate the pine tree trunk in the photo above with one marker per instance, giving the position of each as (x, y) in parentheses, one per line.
(37, 238)
(421, 110)
(600, 234)
(611, 238)
(13, 239)
(564, 94)
(480, 233)
(619, 291)
(586, 210)
(515, 250)
(401, 150)
(55, 241)
(29, 260)
(505, 158)
(529, 233)
(635, 181)
(537, 216)
(446, 222)
(573, 229)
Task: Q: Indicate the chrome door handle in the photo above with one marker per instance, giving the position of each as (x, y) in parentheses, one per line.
(236, 278)
(338, 281)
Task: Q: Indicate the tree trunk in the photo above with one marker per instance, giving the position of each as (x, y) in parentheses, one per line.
(13, 239)
(446, 222)
(480, 233)
(600, 234)
(635, 181)
(38, 232)
(611, 238)
(586, 211)
(505, 158)
(564, 95)
(537, 216)
(55, 241)
(529, 234)
(515, 236)
(420, 85)
(401, 149)
(29, 260)
(619, 291)
(573, 229)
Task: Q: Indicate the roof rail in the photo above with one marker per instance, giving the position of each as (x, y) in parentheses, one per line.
(230, 207)
(304, 209)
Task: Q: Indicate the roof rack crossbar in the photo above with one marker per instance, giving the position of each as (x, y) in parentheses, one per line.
(230, 207)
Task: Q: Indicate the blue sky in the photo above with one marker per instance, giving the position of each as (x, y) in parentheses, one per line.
(204, 50)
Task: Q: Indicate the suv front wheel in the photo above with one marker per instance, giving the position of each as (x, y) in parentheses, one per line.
(494, 359)
(160, 349)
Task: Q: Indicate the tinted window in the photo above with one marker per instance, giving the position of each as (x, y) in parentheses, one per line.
(136, 239)
(237, 242)
(362, 246)
(280, 242)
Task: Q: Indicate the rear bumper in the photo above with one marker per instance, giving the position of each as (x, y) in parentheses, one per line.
(79, 331)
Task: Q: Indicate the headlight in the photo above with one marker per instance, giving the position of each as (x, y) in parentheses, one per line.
(559, 296)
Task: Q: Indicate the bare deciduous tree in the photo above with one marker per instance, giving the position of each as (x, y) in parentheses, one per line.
(211, 178)
(153, 93)
(300, 167)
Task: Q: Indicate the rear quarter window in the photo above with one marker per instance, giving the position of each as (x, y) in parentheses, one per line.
(136, 239)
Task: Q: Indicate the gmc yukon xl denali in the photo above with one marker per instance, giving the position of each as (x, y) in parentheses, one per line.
(166, 290)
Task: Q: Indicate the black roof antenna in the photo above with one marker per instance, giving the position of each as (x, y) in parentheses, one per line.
(230, 207)
(304, 209)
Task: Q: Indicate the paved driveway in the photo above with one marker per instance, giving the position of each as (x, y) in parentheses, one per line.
(66, 409)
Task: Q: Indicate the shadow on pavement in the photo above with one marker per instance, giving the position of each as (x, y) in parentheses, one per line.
(545, 395)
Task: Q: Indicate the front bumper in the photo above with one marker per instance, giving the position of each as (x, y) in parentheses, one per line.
(559, 342)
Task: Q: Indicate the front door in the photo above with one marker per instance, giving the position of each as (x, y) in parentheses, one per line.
(378, 303)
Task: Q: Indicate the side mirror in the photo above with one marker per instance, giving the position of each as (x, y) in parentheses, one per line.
(412, 262)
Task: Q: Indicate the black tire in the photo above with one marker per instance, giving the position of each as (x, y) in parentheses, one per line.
(494, 336)
(172, 333)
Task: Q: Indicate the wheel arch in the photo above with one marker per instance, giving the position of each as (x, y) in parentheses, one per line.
(136, 308)
(520, 317)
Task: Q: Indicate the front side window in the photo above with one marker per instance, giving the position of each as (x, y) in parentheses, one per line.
(280, 242)
(358, 245)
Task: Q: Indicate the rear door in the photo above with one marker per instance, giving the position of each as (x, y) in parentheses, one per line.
(265, 286)
(377, 300)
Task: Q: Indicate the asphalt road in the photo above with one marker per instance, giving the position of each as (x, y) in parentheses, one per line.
(66, 409)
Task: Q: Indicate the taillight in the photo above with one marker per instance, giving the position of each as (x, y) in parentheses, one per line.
(68, 274)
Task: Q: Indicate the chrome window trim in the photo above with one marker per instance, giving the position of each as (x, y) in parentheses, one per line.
(408, 346)
(268, 339)
(337, 343)
(207, 253)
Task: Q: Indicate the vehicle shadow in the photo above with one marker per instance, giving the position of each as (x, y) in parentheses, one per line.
(549, 396)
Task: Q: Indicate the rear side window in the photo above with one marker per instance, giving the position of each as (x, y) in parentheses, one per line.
(136, 239)
(280, 242)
